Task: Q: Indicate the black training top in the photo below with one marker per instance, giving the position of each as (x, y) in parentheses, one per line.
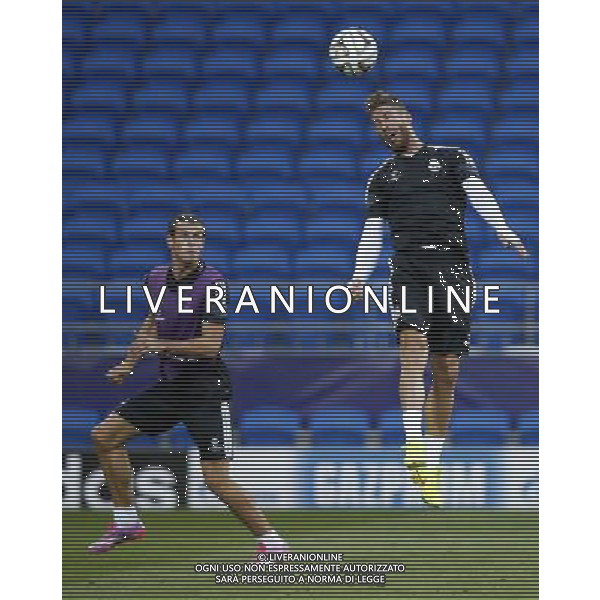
(422, 199)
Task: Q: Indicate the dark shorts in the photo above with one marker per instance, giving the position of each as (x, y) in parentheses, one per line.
(447, 332)
(197, 395)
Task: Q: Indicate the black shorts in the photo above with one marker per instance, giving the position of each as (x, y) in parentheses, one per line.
(447, 332)
(198, 395)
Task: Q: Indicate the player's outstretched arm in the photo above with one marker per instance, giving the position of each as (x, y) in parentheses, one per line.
(367, 255)
(483, 201)
(144, 335)
(207, 344)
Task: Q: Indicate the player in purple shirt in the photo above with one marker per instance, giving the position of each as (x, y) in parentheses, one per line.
(193, 389)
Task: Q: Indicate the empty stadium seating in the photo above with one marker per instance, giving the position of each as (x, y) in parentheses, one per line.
(77, 425)
(528, 427)
(338, 426)
(230, 110)
(341, 425)
(269, 426)
(481, 427)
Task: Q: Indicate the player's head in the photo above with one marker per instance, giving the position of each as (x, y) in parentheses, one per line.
(391, 118)
(185, 238)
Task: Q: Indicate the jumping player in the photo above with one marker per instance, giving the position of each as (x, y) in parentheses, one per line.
(193, 389)
(421, 193)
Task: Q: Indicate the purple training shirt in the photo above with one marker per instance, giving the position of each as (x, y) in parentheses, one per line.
(174, 325)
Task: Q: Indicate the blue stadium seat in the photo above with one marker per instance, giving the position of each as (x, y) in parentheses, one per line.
(291, 63)
(391, 428)
(90, 194)
(526, 29)
(79, 307)
(468, 94)
(523, 218)
(342, 192)
(203, 163)
(136, 162)
(474, 61)
(135, 261)
(170, 198)
(272, 128)
(528, 427)
(165, 96)
(516, 128)
(219, 257)
(183, 9)
(180, 29)
(147, 223)
(265, 161)
(239, 29)
(521, 95)
(327, 163)
(69, 64)
(279, 96)
(333, 262)
(272, 192)
(150, 129)
(523, 63)
(372, 158)
(220, 193)
(232, 63)
(89, 129)
(84, 163)
(223, 224)
(213, 128)
(417, 94)
(333, 224)
(103, 96)
(335, 130)
(368, 16)
(257, 261)
(87, 224)
(85, 260)
(517, 189)
(274, 224)
(339, 426)
(500, 262)
(119, 29)
(343, 96)
(77, 424)
(512, 161)
(485, 427)
(459, 129)
(480, 28)
(419, 63)
(109, 64)
(222, 95)
(268, 425)
(301, 28)
(171, 63)
(419, 28)
(74, 28)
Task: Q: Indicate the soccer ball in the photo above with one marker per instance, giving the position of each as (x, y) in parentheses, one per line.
(353, 51)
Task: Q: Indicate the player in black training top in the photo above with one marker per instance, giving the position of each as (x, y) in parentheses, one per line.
(420, 193)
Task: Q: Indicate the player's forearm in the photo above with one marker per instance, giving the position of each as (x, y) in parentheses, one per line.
(146, 332)
(485, 204)
(369, 249)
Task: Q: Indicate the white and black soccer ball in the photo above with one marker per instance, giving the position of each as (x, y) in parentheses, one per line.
(353, 51)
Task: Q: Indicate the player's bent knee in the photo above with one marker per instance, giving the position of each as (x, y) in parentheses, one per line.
(105, 437)
(216, 475)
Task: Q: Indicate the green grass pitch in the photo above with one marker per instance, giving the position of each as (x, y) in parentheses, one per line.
(476, 554)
